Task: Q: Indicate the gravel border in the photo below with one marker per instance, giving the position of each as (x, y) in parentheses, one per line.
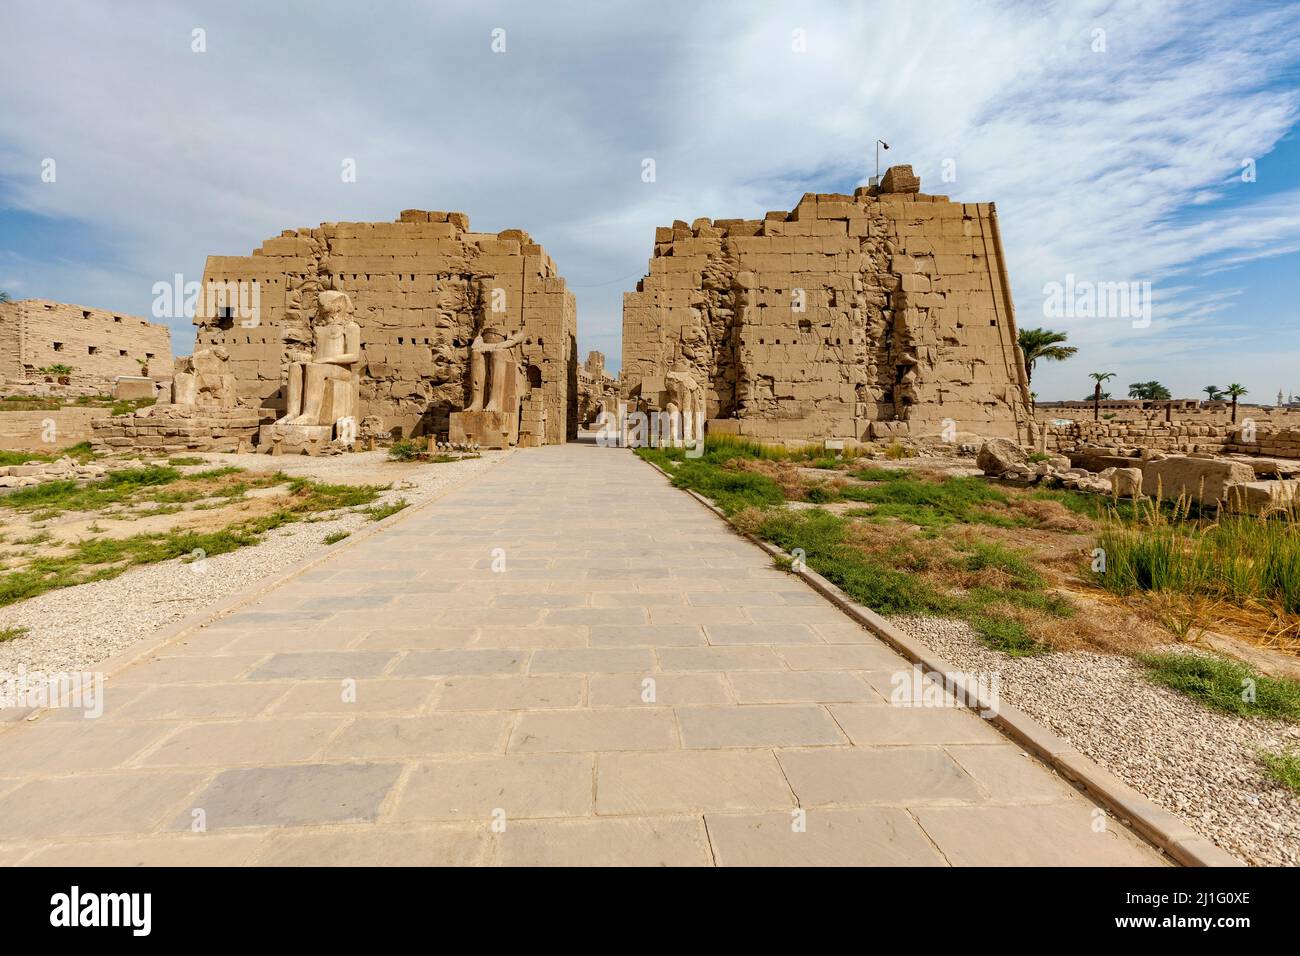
(74, 629)
(1187, 759)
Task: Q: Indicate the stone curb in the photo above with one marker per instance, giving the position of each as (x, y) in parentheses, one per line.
(151, 644)
(1160, 828)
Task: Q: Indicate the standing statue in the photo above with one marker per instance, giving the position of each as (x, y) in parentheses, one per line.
(491, 419)
(325, 389)
(684, 403)
(504, 368)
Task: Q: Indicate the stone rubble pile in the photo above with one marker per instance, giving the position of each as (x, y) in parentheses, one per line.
(37, 472)
(1249, 486)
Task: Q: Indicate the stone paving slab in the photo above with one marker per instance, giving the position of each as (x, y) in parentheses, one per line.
(639, 686)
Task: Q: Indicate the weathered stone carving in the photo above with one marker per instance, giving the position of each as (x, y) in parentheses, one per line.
(204, 379)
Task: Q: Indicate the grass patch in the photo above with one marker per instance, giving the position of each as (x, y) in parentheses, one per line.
(99, 559)
(1283, 767)
(930, 503)
(732, 491)
(80, 452)
(179, 462)
(334, 537)
(380, 512)
(117, 486)
(11, 633)
(1226, 685)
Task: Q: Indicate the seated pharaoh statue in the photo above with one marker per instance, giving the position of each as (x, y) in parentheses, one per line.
(325, 390)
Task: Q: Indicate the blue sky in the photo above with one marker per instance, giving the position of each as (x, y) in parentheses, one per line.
(1112, 156)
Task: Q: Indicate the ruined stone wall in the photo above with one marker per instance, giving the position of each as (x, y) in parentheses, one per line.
(842, 318)
(1268, 439)
(421, 288)
(97, 345)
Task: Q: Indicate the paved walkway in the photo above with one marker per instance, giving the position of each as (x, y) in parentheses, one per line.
(638, 685)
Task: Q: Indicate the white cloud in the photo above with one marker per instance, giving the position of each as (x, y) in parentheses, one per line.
(1111, 166)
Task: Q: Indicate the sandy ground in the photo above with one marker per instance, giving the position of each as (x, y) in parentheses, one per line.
(1187, 759)
(72, 629)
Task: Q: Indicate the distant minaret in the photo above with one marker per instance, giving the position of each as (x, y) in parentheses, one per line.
(1280, 403)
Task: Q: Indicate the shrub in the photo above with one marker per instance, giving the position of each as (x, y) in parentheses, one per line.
(404, 450)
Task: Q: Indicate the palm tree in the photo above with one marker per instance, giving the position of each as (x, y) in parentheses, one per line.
(1149, 391)
(1214, 392)
(4, 296)
(1235, 391)
(1098, 377)
(1043, 344)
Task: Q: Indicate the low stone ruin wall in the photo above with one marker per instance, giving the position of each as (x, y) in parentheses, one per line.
(1217, 438)
(179, 428)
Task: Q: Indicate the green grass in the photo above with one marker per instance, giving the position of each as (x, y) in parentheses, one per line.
(21, 457)
(129, 405)
(1006, 634)
(933, 504)
(732, 491)
(11, 633)
(1220, 684)
(211, 473)
(115, 487)
(336, 536)
(80, 452)
(1283, 767)
(872, 581)
(99, 559)
(984, 555)
(380, 512)
(890, 582)
(315, 496)
(178, 462)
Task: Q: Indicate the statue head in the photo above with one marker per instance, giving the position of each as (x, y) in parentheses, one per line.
(333, 305)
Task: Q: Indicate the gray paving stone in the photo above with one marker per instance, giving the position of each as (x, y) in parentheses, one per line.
(646, 635)
(516, 787)
(292, 796)
(853, 776)
(723, 634)
(314, 665)
(592, 660)
(755, 726)
(633, 841)
(438, 663)
(450, 733)
(90, 806)
(866, 836)
(1047, 835)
